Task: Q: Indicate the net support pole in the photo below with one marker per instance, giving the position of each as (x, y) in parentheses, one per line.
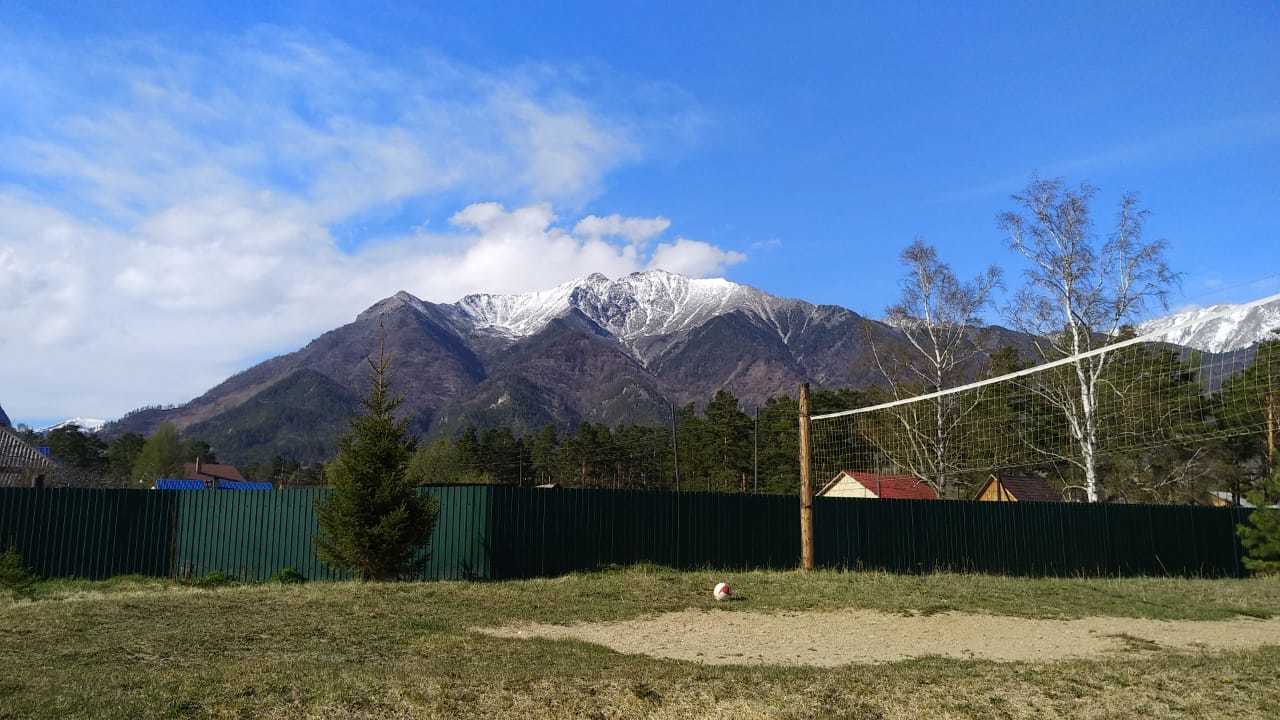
(1273, 400)
(806, 483)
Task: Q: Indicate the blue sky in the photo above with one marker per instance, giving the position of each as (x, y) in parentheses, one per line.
(309, 158)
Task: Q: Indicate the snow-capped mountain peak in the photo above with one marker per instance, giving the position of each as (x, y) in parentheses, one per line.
(1220, 328)
(642, 304)
(89, 425)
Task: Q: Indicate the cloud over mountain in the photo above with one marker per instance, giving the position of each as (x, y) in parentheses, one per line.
(171, 211)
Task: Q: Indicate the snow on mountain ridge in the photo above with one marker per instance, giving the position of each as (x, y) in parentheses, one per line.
(1219, 328)
(635, 306)
(89, 425)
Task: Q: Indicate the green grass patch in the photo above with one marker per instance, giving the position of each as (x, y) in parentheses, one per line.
(137, 647)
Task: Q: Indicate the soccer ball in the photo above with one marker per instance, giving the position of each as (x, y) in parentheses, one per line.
(722, 592)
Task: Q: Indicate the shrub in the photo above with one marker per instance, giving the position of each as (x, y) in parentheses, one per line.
(213, 579)
(14, 575)
(288, 576)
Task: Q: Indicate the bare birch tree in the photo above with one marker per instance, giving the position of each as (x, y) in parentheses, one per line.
(1080, 291)
(939, 316)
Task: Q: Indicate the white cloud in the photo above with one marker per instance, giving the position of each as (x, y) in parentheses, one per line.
(182, 218)
(106, 323)
(693, 257)
(634, 230)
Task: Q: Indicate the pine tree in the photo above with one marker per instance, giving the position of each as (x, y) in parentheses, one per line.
(543, 452)
(1261, 534)
(374, 522)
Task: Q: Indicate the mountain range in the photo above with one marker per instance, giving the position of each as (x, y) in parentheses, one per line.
(1220, 328)
(595, 349)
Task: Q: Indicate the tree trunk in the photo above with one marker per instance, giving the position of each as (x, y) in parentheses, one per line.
(1088, 432)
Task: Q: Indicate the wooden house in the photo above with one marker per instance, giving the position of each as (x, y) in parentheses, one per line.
(849, 484)
(1003, 487)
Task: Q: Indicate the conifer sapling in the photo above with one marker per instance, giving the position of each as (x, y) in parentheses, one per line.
(374, 522)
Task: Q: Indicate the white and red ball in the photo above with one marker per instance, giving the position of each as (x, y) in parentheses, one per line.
(722, 591)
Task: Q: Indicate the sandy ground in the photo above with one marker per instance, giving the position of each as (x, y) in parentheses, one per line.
(833, 638)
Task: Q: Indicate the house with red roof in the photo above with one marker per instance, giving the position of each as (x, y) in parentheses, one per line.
(849, 484)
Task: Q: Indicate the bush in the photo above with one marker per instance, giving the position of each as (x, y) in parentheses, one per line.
(1261, 535)
(14, 575)
(213, 579)
(288, 576)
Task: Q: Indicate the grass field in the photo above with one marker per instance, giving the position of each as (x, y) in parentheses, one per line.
(146, 648)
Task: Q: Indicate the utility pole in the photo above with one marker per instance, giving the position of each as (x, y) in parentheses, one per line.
(675, 447)
(755, 455)
(806, 484)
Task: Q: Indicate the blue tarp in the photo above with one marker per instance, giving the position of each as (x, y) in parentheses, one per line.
(243, 485)
(171, 484)
(179, 485)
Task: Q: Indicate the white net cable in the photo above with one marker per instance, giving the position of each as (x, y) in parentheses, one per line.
(1146, 393)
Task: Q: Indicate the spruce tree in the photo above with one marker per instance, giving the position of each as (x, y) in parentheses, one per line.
(374, 522)
(1261, 534)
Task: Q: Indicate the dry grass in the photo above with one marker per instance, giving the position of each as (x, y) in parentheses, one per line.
(140, 648)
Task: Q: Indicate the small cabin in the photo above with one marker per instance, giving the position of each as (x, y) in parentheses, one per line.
(1001, 487)
(849, 484)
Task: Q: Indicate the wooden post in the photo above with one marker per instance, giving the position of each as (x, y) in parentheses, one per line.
(755, 454)
(1271, 430)
(806, 484)
(675, 448)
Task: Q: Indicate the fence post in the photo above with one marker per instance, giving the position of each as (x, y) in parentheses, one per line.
(806, 484)
(675, 447)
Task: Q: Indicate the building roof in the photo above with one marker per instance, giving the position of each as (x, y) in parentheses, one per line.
(174, 484)
(1024, 488)
(1227, 498)
(17, 457)
(244, 485)
(887, 487)
(185, 484)
(210, 471)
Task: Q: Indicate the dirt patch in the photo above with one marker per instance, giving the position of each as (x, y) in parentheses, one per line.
(831, 638)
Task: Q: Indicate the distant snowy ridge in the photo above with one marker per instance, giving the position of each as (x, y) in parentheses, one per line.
(89, 425)
(1220, 328)
(639, 305)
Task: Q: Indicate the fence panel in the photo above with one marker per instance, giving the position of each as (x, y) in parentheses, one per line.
(89, 533)
(492, 532)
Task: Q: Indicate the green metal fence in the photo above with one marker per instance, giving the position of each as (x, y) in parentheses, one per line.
(1028, 538)
(251, 535)
(92, 534)
(490, 532)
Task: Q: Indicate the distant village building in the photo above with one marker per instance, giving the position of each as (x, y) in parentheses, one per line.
(1002, 487)
(850, 484)
(210, 472)
(1223, 498)
(20, 464)
(201, 475)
